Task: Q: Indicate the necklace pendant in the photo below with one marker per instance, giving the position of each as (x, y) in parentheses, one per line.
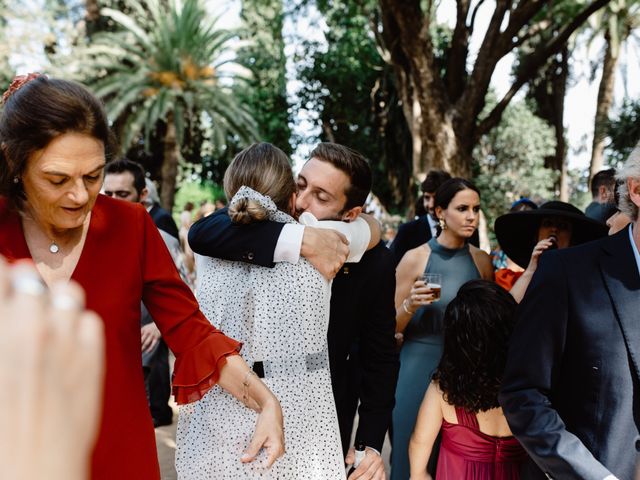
(54, 248)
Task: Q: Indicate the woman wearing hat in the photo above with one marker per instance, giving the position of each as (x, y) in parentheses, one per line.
(524, 236)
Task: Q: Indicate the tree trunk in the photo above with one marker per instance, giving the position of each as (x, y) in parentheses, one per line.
(435, 136)
(445, 128)
(171, 157)
(605, 100)
(92, 16)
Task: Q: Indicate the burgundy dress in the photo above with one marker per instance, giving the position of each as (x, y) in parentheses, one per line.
(468, 453)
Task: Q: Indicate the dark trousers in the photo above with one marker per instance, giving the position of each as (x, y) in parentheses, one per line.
(347, 400)
(158, 383)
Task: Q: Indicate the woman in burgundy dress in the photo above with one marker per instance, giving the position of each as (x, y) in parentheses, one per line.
(462, 399)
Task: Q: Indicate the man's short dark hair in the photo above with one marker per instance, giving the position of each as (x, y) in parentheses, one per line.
(125, 165)
(606, 178)
(353, 164)
(434, 179)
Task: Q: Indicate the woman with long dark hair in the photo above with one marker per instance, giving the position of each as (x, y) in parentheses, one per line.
(462, 400)
(419, 314)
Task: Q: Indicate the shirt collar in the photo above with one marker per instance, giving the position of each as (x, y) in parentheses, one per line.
(432, 224)
(634, 246)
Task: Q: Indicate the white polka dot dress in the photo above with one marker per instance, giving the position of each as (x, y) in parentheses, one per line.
(281, 315)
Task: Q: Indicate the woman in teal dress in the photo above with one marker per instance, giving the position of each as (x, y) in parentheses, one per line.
(419, 316)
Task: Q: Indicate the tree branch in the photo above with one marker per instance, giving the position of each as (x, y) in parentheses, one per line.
(520, 17)
(476, 89)
(456, 71)
(473, 15)
(536, 60)
(533, 30)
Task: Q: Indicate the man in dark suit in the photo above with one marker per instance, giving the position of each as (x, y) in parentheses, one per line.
(571, 390)
(333, 185)
(163, 219)
(416, 232)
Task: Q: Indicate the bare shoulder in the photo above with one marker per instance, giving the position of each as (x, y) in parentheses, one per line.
(482, 261)
(448, 411)
(414, 260)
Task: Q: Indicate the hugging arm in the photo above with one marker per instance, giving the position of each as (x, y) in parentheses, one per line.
(217, 236)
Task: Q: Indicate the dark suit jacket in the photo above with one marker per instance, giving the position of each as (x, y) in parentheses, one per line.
(415, 233)
(361, 324)
(410, 235)
(163, 220)
(571, 387)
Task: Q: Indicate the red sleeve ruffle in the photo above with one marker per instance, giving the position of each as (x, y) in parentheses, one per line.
(198, 369)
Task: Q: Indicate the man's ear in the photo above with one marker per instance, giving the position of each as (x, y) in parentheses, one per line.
(438, 212)
(351, 215)
(633, 185)
(603, 192)
(292, 204)
(143, 195)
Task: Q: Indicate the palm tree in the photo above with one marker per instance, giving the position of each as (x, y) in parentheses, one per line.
(616, 23)
(164, 67)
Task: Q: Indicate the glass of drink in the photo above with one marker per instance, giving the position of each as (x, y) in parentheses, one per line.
(433, 281)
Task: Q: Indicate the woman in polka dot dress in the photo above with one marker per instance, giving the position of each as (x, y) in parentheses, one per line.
(281, 315)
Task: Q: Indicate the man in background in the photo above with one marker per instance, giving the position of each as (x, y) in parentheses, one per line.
(603, 202)
(415, 233)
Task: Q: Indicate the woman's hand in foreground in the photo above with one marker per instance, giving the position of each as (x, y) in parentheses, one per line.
(51, 370)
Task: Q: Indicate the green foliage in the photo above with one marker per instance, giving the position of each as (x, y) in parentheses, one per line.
(265, 93)
(623, 132)
(349, 92)
(164, 64)
(509, 161)
(196, 193)
(578, 186)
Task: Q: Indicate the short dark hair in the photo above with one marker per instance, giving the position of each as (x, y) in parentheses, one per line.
(604, 178)
(353, 164)
(434, 179)
(450, 188)
(122, 165)
(478, 323)
(38, 112)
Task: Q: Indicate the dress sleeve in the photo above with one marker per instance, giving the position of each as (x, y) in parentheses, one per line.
(200, 348)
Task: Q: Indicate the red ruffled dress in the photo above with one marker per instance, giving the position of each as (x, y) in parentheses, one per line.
(124, 261)
(467, 453)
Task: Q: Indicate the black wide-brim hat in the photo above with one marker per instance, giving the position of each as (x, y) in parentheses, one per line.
(517, 232)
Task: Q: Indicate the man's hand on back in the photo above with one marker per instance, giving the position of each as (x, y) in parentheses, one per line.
(327, 250)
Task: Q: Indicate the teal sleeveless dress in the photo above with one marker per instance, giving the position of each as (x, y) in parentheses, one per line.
(422, 348)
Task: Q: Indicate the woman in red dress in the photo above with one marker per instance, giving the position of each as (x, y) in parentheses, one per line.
(462, 399)
(54, 140)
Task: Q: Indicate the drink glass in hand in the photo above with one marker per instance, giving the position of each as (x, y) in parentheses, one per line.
(433, 281)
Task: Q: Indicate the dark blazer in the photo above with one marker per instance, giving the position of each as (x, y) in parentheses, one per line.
(414, 233)
(410, 235)
(363, 358)
(163, 220)
(571, 390)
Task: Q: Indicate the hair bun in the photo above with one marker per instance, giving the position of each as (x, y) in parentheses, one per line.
(244, 210)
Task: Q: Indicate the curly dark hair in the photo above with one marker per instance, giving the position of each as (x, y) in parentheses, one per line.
(478, 323)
